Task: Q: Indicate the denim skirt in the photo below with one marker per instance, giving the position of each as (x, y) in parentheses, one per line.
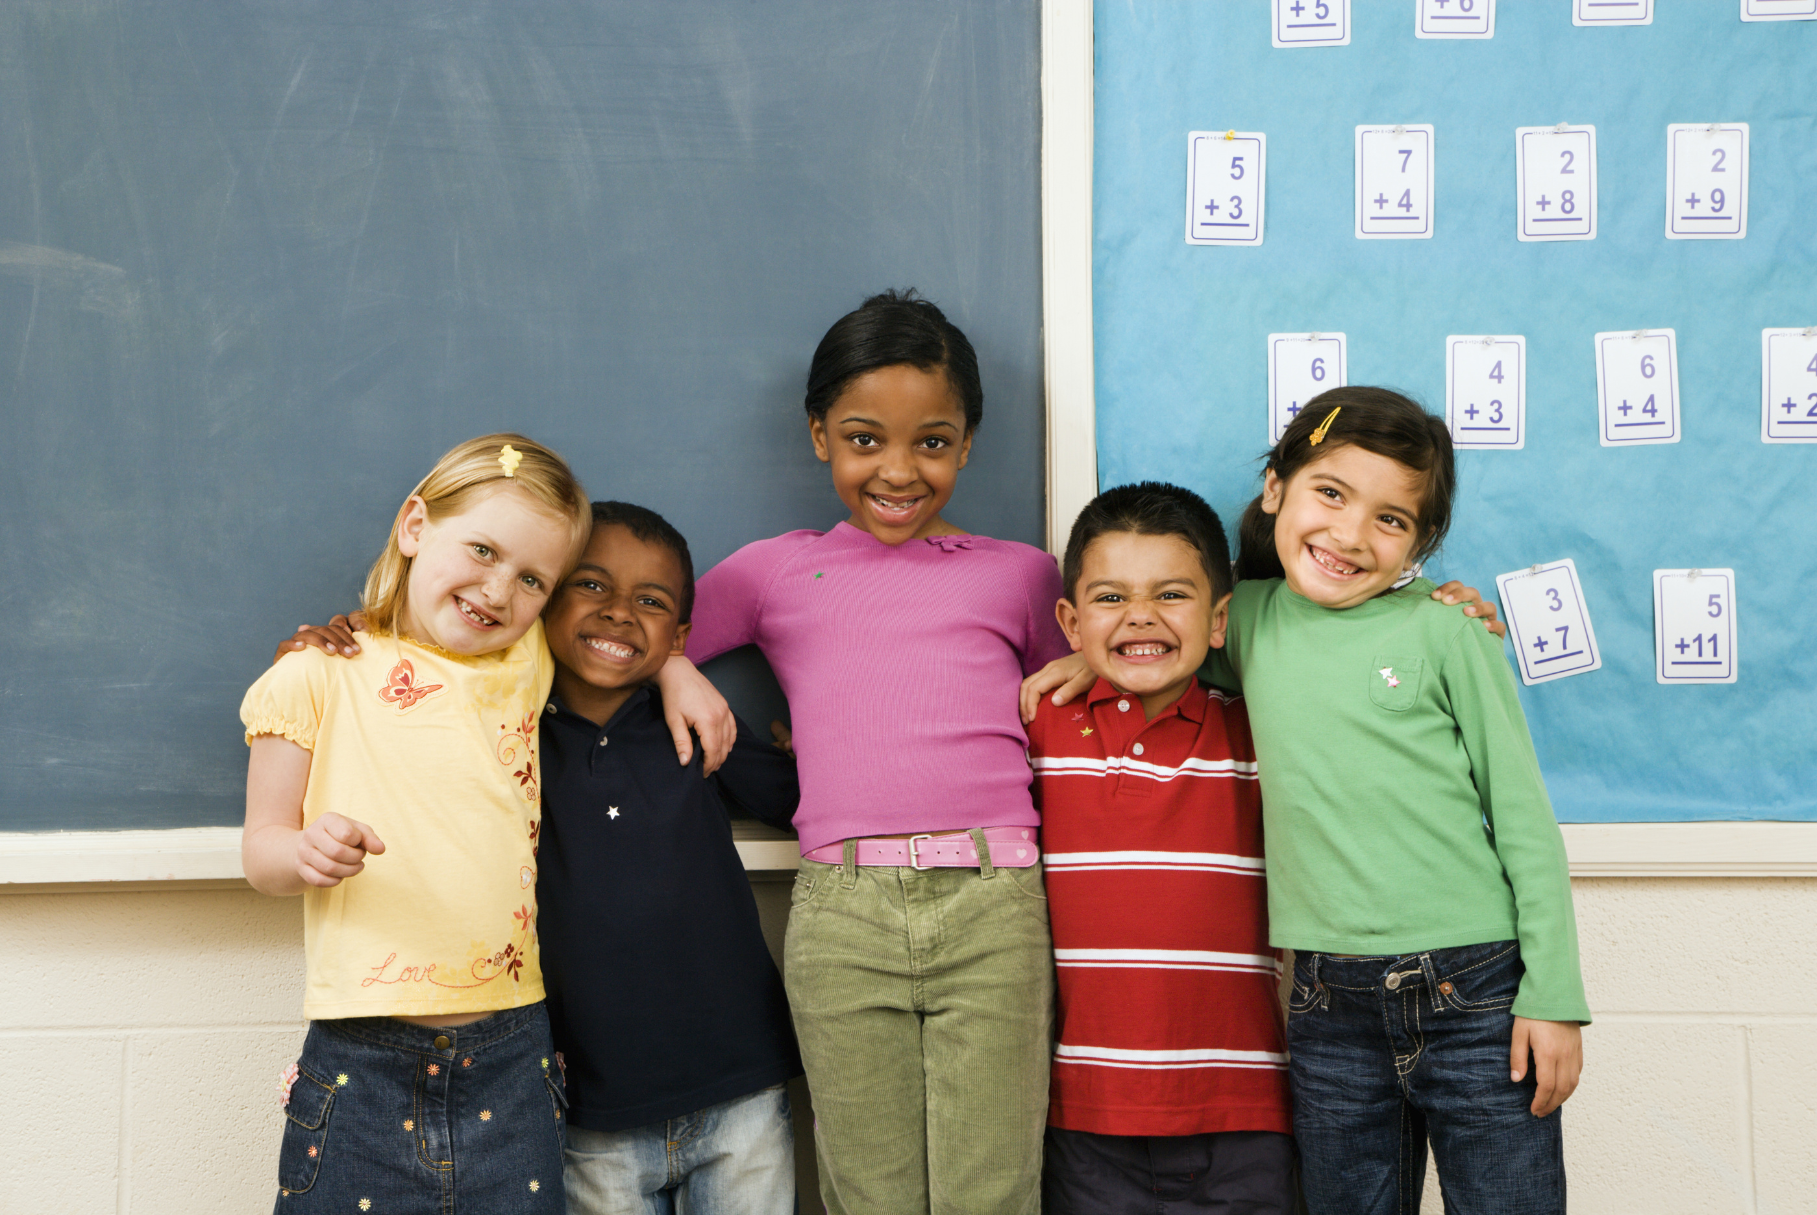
(398, 1119)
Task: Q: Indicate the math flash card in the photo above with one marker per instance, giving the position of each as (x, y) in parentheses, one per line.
(1225, 176)
(1555, 180)
(1548, 622)
(1694, 625)
(1788, 385)
(1454, 19)
(1300, 367)
(1611, 12)
(1311, 23)
(1394, 182)
(1637, 387)
(1706, 181)
(1486, 391)
(1779, 10)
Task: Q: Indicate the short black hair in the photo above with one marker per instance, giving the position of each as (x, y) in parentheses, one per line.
(1151, 508)
(891, 329)
(652, 528)
(1378, 420)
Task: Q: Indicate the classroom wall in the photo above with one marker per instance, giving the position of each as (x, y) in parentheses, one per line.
(143, 1032)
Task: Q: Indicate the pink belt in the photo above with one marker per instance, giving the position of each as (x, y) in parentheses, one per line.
(1010, 848)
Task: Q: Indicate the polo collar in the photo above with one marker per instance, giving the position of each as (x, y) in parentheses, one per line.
(1191, 704)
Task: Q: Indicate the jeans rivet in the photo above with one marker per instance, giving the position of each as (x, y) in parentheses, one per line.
(1445, 987)
(1392, 982)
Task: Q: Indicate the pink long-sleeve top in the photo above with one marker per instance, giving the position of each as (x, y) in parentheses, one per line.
(901, 666)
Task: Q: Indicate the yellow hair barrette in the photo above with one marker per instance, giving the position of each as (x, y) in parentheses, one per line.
(509, 458)
(1318, 436)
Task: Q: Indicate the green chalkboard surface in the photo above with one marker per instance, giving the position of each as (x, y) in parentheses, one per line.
(261, 262)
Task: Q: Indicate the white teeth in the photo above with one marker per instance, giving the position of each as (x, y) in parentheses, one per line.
(473, 615)
(611, 648)
(1142, 649)
(1332, 563)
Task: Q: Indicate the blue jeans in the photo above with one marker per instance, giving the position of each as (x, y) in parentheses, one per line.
(1390, 1052)
(385, 1116)
(734, 1158)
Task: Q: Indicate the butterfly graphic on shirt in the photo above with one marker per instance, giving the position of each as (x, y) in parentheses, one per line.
(402, 688)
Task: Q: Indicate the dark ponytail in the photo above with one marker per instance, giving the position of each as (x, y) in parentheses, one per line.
(1375, 419)
(889, 330)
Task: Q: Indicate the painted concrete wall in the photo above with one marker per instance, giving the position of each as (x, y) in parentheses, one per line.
(142, 1033)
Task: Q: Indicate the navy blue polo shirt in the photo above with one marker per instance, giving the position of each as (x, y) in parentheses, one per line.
(662, 993)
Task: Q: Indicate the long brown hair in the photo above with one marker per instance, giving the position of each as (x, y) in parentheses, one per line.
(467, 473)
(1375, 419)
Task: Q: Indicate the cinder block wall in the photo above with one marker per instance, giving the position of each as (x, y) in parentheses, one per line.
(142, 1033)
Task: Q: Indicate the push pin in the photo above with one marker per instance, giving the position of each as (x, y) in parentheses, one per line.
(1560, 128)
(1230, 134)
(1399, 130)
(1638, 334)
(1312, 337)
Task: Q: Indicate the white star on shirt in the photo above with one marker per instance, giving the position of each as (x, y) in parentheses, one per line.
(611, 811)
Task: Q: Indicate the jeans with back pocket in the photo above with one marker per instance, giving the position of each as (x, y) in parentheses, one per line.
(1390, 1053)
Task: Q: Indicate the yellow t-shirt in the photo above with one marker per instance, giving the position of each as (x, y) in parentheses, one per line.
(437, 753)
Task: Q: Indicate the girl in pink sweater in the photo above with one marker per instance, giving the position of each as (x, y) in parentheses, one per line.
(918, 961)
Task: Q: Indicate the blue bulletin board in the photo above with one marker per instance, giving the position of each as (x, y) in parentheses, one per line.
(1182, 376)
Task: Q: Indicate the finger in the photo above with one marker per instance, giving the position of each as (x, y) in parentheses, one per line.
(369, 839)
(1078, 685)
(339, 829)
(718, 748)
(684, 742)
(1517, 1052)
(1545, 1071)
(1029, 700)
(322, 864)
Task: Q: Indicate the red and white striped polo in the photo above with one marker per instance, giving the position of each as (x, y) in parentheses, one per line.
(1151, 831)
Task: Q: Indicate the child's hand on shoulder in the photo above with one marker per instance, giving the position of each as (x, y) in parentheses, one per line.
(1557, 1050)
(1065, 677)
(1472, 599)
(334, 848)
(335, 637)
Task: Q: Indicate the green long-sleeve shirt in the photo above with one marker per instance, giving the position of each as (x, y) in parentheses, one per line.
(1402, 802)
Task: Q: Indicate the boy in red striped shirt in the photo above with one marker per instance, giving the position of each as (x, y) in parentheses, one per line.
(1169, 1081)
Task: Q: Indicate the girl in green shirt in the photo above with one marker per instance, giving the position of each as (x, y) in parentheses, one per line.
(1414, 863)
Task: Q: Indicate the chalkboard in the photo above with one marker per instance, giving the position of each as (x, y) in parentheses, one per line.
(262, 262)
(1181, 335)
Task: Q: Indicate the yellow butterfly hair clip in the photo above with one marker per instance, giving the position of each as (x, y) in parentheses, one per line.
(509, 458)
(1318, 436)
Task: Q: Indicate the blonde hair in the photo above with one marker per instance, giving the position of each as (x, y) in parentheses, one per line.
(468, 473)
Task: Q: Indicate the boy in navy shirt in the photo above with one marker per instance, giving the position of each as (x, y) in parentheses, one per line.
(666, 1006)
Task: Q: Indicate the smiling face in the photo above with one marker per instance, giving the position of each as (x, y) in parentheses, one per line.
(896, 440)
(614, 621)
(479, 577)
(1144, 615)
(1345, 525)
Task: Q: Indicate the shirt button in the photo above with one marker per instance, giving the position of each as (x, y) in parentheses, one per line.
(602, 742)
(1137, 748)
(550, 707)
(441, 1042)
(1122, 706)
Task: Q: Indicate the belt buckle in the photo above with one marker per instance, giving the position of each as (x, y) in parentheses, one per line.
(915, 856)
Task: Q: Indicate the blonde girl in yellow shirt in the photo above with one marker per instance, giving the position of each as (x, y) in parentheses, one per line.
(396, 791)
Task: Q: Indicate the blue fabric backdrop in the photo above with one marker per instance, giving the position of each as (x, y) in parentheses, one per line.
(1182, 377)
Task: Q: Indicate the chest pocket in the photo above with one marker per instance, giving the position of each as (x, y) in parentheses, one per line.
(1394, 681)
